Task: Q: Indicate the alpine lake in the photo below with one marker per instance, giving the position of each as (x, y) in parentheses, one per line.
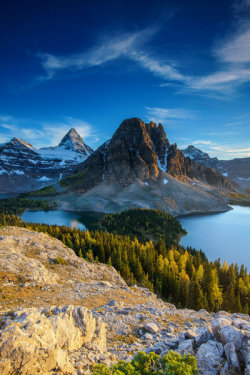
(222, 235)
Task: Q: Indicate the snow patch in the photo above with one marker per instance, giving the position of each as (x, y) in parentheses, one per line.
(162, 166)
(44, 179)
(16, 171)
(186, 154)
(62, 155)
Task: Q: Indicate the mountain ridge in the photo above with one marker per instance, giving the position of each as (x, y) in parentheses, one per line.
(25, 168)
(237, 169)
(137, 167)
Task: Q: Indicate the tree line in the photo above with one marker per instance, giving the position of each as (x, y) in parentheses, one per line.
(19, 204)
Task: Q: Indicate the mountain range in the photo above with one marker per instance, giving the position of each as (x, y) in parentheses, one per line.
(137, 167)
(236, 170)
(24, 168)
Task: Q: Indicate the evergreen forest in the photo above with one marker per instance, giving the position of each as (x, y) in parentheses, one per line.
(181, 276)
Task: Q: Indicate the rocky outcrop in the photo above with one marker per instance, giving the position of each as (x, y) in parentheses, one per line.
(40, 340)
(35, 256)
(49, 326)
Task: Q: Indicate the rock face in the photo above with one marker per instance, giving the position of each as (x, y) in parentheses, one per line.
(236, 170)
(39, 340)
(25, 168)
(34, 256)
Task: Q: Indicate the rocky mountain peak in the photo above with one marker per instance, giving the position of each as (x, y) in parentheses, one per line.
(131, 153)
(20, 142)
(73, 141)
(195, 153)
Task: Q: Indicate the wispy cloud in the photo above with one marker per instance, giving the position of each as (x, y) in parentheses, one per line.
(237, 48)
(157, 114)
(157, 66)
(108, 49)
(230, 151)
(44, 134)
(231, 54)
(220, 150)
(201, 142)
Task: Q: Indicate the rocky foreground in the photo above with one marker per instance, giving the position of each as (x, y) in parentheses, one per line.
(59, 314)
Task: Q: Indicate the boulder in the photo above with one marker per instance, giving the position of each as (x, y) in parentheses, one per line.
(159, 348)
(229, 334)
(190, 334)
(232, 357)
(241, 324)
(204, 335)
(209, 358)
(218, 323)
(186, 347)
(151, 328)
(39, 340)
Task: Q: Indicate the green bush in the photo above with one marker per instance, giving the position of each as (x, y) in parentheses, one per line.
(152, 364)
(60, 260)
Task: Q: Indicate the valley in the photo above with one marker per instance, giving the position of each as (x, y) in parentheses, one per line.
(125, 187)
(106, 233)
(217, 235)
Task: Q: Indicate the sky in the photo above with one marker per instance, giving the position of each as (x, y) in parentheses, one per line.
(92, 64)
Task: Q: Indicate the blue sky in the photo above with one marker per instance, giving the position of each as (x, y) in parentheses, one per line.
(91, 64)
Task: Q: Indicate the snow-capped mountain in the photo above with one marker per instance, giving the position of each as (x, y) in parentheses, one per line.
(236, 170)
(25, 168)
(72, 141)
(197, 155)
